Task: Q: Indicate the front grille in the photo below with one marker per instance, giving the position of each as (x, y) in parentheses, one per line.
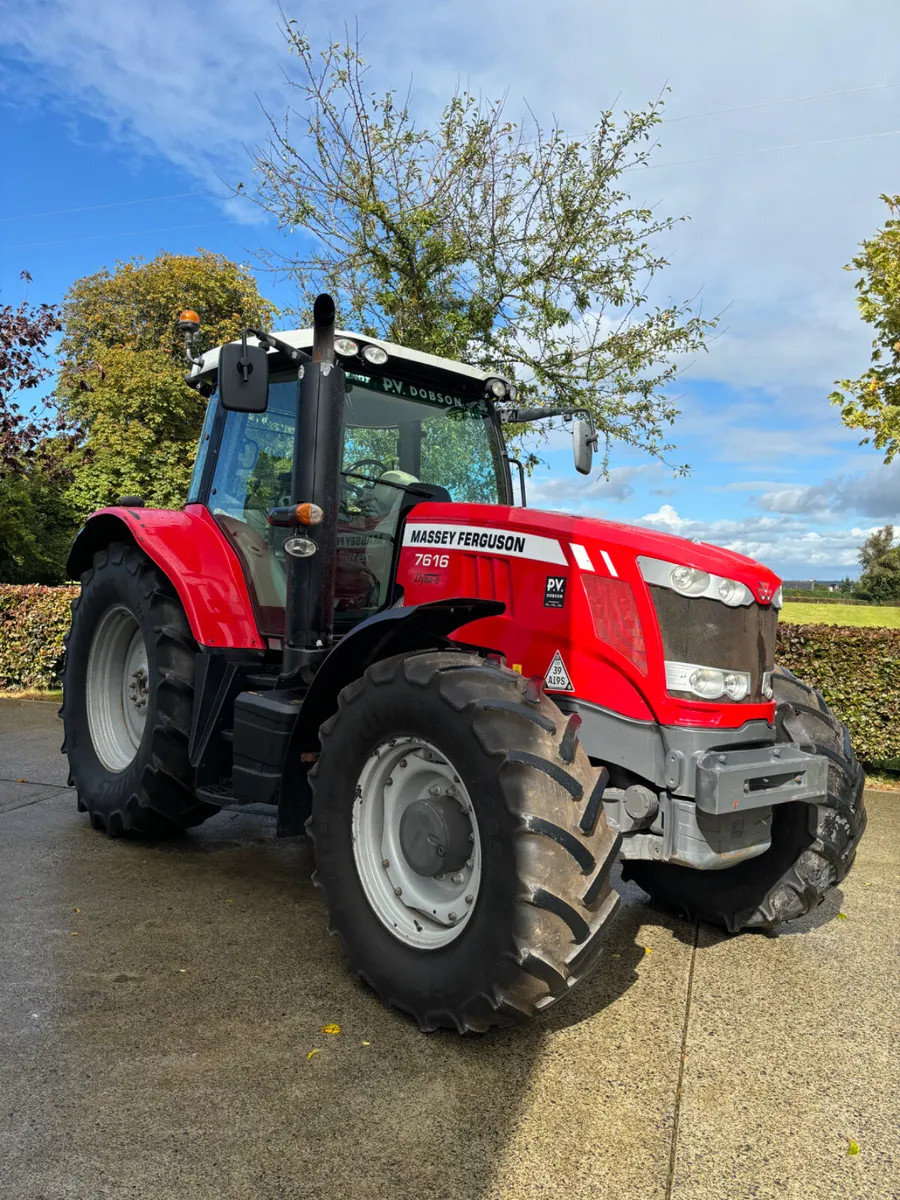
(706, 632)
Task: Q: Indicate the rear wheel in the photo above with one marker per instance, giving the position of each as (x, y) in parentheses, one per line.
(813, 846)
(128, 689)
(460, 840)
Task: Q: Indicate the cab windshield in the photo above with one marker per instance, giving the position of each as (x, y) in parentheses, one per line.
(396, 435)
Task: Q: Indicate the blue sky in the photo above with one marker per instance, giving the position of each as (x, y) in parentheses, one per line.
(139, 115)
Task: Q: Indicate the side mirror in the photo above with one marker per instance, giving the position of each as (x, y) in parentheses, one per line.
(583, 440)
(244, 377)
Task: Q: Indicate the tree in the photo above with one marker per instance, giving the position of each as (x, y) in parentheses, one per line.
(509, 246)
(123, 365)
(35, 523)
(872, 402)
(880, 561)
(25, 332)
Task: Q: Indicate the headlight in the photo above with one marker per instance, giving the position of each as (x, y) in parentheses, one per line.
(690, 581)
(345, 347)
(497, 388)
(375, 354)
(768, 688)
(709, 683)
(778, 598)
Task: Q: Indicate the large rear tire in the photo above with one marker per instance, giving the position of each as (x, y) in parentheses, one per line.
(444, 743)
(128, 693)
(813, 846)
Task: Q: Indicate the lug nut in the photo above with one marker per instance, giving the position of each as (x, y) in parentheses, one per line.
(441, 876)
(470, 899)
(385, 862)
(402, 762)
(398, 891)
(458, 877)
(434, 790)
(388, 781)
(451, 916)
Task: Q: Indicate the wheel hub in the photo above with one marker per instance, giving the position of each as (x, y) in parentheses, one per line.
(416, 843)
(117, 688)
(139, 688)
(434, 835)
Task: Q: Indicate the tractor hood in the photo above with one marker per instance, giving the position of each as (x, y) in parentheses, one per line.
(638, 540)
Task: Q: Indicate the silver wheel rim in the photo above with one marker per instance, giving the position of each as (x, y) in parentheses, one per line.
(118, 688)
(423, 911)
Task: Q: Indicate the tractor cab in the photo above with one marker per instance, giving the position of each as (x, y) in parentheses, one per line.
(413, 427)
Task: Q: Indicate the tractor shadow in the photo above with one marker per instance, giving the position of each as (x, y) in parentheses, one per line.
(193, 1007)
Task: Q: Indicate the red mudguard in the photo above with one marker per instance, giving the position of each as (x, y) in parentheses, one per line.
(188, 546)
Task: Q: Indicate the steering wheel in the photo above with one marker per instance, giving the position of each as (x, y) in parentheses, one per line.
(365, 462)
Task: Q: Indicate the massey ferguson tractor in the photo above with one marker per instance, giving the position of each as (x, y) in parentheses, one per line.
(473, 708)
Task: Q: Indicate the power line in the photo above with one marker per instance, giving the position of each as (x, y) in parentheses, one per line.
(130, 233)
(65, 212)
(681, 162)
(718, 112)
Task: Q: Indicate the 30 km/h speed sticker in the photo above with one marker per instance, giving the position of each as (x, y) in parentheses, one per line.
(557, 677)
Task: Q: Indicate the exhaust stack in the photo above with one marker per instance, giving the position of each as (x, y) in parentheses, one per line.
(315, 480)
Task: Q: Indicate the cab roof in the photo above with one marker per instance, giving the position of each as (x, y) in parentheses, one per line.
(302, 339)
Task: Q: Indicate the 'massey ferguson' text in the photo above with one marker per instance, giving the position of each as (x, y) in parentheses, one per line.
(421, 535)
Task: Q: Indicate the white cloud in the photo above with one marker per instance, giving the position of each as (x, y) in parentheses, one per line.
(874, 493)
(789, 546)
(588, 496)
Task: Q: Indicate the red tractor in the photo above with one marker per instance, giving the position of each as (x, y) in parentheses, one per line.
(474, 708)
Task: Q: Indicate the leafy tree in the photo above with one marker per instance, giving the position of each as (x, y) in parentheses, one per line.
(880, 561)
(25, 332)
(510, 246)
(123, 365)
(872, 402)
(35, 524)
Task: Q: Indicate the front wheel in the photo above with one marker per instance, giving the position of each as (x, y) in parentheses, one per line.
(460, 840)
(813, 846)
(128, 690)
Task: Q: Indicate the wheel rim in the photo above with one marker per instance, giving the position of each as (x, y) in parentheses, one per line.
(410, 778)
(118, 688)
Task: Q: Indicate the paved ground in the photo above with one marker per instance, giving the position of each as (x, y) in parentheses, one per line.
(157, 1005)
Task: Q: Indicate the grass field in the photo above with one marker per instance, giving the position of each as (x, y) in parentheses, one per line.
(869, 615)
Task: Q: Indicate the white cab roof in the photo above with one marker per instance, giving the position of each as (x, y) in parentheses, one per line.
(302, 339)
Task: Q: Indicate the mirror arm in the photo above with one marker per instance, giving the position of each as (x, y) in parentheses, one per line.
(244, 363)
(514, 462)
(521, 416)
(275, 343)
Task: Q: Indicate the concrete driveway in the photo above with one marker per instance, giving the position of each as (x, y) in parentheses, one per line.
(158, 1004)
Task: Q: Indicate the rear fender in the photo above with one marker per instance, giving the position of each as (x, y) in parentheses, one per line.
(395, 631)
(195, 556)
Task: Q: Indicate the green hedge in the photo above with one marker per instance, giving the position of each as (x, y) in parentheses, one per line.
(33, 621)
(806, 598)
(858, 670)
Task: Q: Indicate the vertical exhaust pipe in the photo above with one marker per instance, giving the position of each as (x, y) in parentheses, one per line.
(323, 329)
(315, 479)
